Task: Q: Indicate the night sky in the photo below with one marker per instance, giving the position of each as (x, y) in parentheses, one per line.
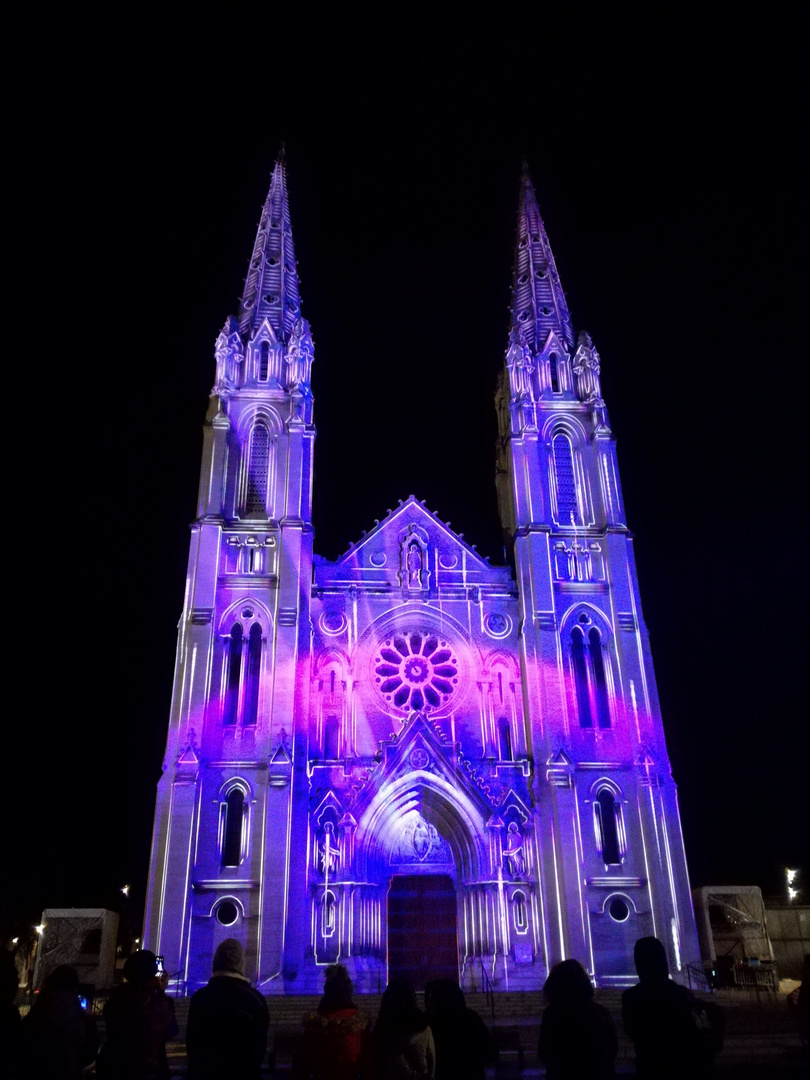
(665, 151)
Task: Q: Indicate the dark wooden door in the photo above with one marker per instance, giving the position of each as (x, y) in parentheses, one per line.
(422, 937)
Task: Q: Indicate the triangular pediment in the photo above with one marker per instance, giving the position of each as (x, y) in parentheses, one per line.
(554, 343)
(265, 332)
(560, 758)
(380, 547)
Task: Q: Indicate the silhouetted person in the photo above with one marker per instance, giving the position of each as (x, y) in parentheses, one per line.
(140, 1019)
(659, 1016)
(335, 1042)
(9, 1013)
(577, 1037)
(803, 1007)
(227, 1022)
(402, 1040)
(464, 1046)
(57, 1039)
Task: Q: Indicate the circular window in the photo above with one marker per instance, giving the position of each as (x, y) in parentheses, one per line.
(618, 910)
(333, 622)
(227, 913)
(416, 670)
(497, 624)
(247, 613)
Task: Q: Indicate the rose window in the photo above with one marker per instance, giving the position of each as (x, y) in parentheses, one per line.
(416, 670)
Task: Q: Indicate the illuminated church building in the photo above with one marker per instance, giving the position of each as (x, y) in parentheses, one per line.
(410, 760)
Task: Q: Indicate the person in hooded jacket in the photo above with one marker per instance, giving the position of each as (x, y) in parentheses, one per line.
(402, 1041)
(57, 1038)
(139, 1020)
(464, 1046)
(577, 1037)
(660, 1017)
(335, 1043)
(227, 1022)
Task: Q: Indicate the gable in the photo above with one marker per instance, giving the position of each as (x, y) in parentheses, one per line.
(412, 549)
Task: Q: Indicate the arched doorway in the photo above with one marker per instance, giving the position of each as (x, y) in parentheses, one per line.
(422, 928)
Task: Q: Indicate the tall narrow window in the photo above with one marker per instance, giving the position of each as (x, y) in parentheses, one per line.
(258, 469)
(520, 915)
(567, 509)
(607, 827)
(553, 372)
(234, 676)
(254, 665)
(599, 680)
(264, 360)
(233, 830)
(328, 914)
(505, 739)
(331, 738)
(580, 665)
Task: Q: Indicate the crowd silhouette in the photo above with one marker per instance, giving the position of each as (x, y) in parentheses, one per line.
(675, 1035)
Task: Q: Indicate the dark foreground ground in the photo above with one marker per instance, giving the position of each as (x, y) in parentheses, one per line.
(761, 1040)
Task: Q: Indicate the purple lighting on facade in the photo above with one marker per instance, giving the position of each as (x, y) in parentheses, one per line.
(409, 728)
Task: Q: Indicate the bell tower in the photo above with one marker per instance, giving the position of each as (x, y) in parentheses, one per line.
(609, 823)
(225, 809)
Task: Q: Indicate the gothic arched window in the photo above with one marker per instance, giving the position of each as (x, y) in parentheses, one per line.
(553, 373)
(580, 665)
(505, 750)
(258, 469)
(264, 360)
(331, 738)
(607, 813)
(590, 675)
(230, 713)
(565, 481)
(600, 683)
(520, 914)
(233, 828)
(250, 710)
(328, 914)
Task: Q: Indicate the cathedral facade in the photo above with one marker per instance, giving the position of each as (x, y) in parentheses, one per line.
(409, 760)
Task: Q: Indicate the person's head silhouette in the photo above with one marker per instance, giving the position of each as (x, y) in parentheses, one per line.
(651, 960)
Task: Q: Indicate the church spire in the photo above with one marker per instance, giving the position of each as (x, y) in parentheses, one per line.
(538, 302)
(271, 286)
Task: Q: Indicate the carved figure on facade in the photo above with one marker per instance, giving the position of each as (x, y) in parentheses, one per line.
(413, 558)
(329, 850)
(419, 842)
(513, 859)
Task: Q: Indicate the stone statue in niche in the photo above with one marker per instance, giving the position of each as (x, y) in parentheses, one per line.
(513, 852)
(329, 850)
(414, 563)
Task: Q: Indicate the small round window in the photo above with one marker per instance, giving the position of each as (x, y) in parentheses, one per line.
(227, 913)
(618, 910)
